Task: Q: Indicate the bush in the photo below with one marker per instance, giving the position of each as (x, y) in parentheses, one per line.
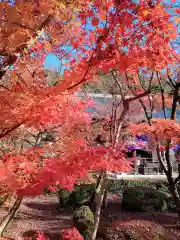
(117, 186)
(37, 236)
(81, 195)
(133, 230)
(83, 220)
(3, 198)
(47, 191)
(144, 199)
(64, 196)
(70, 234)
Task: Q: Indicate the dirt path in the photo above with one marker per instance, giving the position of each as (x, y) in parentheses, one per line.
(38, 214)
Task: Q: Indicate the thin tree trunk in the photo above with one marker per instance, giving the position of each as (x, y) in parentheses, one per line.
(175, 195)
(176, 198)
(93, 197)
(104, 206)
(10, 215)
(99, 202)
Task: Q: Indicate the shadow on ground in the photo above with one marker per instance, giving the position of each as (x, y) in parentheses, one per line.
(115, 211)
(42, 206)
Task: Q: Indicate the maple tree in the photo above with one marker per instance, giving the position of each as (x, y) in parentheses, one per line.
(125, 36)
(163, 133)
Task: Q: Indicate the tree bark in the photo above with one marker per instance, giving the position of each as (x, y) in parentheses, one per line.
(93, 197)
(99, 202)
(10, 215)
(175, 195)
(104, 205)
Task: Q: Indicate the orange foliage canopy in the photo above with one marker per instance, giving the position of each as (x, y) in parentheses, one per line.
(62, 162)
(161, 131)
(125, 36)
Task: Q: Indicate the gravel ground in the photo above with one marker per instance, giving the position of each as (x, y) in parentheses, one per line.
(38, 214)
(41, 214)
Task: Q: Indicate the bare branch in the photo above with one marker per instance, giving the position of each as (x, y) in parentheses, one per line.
(175, 100)
(162, 95)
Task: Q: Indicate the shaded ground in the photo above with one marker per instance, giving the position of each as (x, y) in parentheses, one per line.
(38, 214)
(114, 212)
(41, 214)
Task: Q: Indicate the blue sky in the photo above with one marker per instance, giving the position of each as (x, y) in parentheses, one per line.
(53, 63)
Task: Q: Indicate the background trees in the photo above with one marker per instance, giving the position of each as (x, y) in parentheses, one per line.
(163, 133)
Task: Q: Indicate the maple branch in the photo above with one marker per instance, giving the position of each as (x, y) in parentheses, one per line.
(113, 118)
(150, 81)
(145, 111)
(146, 93)
(100, 38)
(170, 80)
(5, 88)
(34, 136)
(160, 159)
(25, 140)
(168, 160)
(162, 95)
(140, 81)
(81, 81)
(22, 26)
(176, 180)
(8, 130)
(38, 139)
(126, 103)
(175, 100)
(118, 83)
(18, 52)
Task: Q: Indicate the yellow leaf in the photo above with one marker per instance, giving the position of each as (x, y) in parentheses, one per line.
(177, 19)
(61, 5)
(25, 51)
(145, 13)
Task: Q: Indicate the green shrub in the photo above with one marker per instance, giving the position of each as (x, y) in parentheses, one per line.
(83, 220)
(47, 191)
(81, 195)
(117, 186)
(64, 196)
(3, 199)
(144, 199)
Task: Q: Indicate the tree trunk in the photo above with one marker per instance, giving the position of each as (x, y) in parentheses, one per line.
(10, 215)
(104, 205)
(93, 197)
(99, 201)
(175, 195)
